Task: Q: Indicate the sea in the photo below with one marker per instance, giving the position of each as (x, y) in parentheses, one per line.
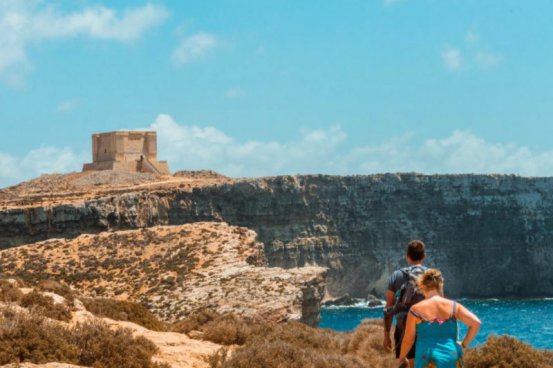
(529, 320)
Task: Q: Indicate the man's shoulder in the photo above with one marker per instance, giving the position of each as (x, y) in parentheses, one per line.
(396, 280)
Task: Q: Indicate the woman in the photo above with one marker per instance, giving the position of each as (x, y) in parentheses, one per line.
(434, 322)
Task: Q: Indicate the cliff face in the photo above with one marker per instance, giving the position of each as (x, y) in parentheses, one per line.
(490, 235)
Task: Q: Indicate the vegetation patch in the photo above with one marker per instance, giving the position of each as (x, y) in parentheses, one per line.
(507, 352)
(44, 306)
(292, 344)
(26, 337)
(124, 311)
(9, 292)
(195, 321)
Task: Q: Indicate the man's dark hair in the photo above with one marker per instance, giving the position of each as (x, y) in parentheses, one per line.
(416, 250)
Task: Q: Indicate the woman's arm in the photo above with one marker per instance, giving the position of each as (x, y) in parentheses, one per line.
(469, 319)
(408, 337)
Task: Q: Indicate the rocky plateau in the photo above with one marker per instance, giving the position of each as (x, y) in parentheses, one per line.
(491, 235)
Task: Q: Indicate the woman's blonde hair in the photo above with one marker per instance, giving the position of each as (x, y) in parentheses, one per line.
(432, 279)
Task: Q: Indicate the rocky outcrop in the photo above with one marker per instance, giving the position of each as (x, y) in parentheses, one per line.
(176, 270)
(492, 235)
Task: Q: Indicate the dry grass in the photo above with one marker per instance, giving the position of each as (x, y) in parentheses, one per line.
(56, 287)
(124, 311)
(9, 292)
(507, 352)
(291, 344)
(29, 338)
(195, 321)
(44, 306)
(294, 345)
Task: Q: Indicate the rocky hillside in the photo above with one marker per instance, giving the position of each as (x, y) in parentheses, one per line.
(492, 235)
(175, 270)
(43, 327)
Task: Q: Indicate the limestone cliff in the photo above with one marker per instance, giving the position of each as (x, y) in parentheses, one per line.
(492, 235)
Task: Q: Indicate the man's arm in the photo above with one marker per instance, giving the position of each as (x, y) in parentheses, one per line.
(390, 301)
(408, 338)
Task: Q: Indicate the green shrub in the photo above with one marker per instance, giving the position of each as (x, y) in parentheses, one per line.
(124, 311)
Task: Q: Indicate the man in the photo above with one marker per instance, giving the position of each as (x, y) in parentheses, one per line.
(401, 295)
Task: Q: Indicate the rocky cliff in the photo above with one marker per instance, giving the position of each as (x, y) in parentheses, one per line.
(492, 235)
(176, 270)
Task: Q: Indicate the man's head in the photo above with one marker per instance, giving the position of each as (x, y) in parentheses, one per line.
(416, 252)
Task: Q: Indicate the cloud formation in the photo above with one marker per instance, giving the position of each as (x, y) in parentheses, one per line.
(471, 55)
(38, 161)
(194, 47)
(67, 106)
(24, 23)
(452, 58)
(325, 151)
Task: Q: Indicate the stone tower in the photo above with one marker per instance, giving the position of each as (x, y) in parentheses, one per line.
(131, 151)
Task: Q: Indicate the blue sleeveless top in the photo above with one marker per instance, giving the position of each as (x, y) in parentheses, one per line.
(437, 342)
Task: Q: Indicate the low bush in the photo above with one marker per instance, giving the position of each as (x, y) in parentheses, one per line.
(9, 292)
(28, 338)
(279, 354)
(100, 346)
(124, 311)
(44, 306)
(228, 330)
(294, 344)
(507, 352)
(195, 321)
(56, 288)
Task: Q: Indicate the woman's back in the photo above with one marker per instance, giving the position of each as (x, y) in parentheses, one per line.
(433, 322)
(437, 333)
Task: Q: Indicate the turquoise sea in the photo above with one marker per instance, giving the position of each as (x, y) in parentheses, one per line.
(528, 320)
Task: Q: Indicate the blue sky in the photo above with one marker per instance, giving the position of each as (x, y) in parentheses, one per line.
(254, 88)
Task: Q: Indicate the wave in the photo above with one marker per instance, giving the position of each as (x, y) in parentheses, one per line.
(358, 305)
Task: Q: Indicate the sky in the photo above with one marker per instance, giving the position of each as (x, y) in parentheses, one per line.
(256, 88)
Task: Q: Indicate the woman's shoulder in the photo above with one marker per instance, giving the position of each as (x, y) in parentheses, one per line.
(430, 303)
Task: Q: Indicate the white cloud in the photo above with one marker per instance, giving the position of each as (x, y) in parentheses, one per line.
(471, 55)
(43, 160)
(486, 59)
(234, 92)
(24, 23)
(67, 106)
(325, 151)
(452, 58)
(193, 48)
(472, 36)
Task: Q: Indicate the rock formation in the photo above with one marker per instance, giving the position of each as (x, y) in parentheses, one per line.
(176, 270)
(492, 235)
